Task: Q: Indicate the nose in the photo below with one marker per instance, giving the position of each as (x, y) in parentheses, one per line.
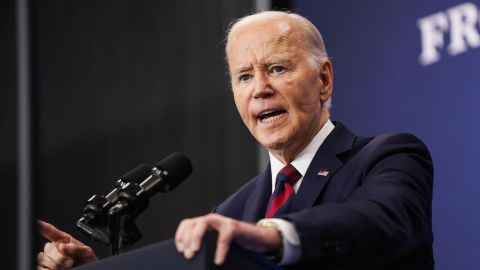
(262, 86)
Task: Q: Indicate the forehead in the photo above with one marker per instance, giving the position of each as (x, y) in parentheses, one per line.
(262, 40)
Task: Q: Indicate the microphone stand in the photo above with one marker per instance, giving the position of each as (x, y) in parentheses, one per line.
(117, 228)
(121, 226)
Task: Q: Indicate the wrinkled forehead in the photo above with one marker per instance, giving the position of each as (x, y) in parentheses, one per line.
(282, 21)
(267, 35)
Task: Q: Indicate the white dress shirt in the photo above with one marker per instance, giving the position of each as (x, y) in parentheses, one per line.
(292, 251)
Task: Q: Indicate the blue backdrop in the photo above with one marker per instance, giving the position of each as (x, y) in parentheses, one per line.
(414, 66)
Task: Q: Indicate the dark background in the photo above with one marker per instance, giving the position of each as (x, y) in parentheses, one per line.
(8, 135)
(117, 84)
(131, 87)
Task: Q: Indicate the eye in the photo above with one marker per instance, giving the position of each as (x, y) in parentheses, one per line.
(277, 69)
(244, 77)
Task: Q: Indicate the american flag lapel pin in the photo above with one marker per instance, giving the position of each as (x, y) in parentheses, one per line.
(323, 173)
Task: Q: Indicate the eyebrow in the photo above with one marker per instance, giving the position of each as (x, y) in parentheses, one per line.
(242, 69)
(277, 60)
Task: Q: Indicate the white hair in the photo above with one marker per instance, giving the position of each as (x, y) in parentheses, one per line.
(312, 39)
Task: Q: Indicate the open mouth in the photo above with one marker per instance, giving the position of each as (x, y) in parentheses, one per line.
(270, 116)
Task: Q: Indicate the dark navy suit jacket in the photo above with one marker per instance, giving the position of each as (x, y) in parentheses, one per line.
(372, 210)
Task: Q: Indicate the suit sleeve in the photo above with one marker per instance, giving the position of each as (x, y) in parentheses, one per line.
(387, 216)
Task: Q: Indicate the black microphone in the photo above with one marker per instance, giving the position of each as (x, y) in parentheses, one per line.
(95, 210)
(134, 176)
(165, 176)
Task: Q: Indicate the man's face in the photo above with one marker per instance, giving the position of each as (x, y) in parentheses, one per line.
(278, 93)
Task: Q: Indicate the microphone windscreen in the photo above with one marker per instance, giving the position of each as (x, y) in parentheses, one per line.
(137, 175)
(178, 167)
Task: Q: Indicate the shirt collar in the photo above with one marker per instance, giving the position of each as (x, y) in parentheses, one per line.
(303, 160)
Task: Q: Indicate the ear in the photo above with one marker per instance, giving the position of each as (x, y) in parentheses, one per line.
(326, 76)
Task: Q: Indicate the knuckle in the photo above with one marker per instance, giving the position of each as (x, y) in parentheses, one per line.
(210, 215)
(88, 250)
(231, 225)
(184, 222)
(224, 241)
(201, 222)
(178, 238)
(40, 257)
(197, 231)
(46, 247)
(63, 247)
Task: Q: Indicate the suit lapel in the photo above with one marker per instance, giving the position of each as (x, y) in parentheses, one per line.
(323, 166)
(257, 201)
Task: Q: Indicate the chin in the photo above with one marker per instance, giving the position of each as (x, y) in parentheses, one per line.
(273, 144)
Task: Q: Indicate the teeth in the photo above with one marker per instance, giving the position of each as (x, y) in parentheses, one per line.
(265, 113)
(271, 119)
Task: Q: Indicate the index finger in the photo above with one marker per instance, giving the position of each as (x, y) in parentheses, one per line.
(51, 232)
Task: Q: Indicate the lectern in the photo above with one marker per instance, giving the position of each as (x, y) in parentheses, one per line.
(164, 256)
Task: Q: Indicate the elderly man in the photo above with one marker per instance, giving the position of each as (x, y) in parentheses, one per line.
(328, 198)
